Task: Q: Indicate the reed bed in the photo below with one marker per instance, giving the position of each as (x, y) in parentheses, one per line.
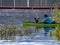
(56, 32)
(7, 31)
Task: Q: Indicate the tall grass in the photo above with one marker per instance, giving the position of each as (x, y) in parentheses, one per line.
(7, 31)
(57, 32)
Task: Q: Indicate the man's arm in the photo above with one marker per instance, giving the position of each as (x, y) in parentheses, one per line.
(44, 20)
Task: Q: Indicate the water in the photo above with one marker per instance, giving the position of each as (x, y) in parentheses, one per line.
(38, 39)
(32, 38)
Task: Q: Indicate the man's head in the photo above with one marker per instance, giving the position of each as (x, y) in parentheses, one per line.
(45, 15)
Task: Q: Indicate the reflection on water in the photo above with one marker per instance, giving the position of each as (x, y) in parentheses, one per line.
(14, 33)
(12, 29)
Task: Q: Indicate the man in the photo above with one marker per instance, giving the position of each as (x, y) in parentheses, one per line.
(47, 20)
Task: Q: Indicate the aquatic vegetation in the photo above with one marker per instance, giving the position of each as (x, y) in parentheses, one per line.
(56, 15)
(7, 31)
(56, 18)
(57, 32)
